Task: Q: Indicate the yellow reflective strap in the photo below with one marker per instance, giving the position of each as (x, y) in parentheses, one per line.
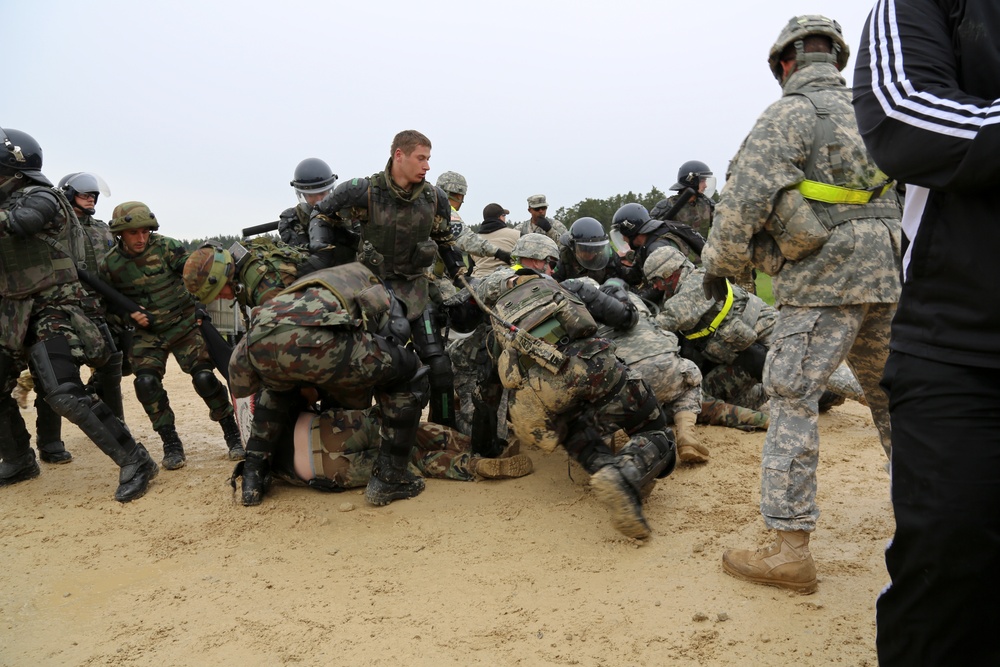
(711, 328)
(833, 194)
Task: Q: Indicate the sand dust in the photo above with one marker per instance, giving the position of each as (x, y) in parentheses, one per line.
(515, 572)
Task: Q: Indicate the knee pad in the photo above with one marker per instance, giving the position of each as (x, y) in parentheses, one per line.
(147, 387)
(53, 364)
(205, 383)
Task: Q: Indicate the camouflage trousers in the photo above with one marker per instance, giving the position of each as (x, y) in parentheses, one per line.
(675, 381)
(733, 398)
(808, 345)
(345, 443)
(467, 355)
(592, 397)
(148, 356)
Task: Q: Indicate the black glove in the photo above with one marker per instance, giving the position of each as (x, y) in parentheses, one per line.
(616, 288)
(502, 255)
(543, 224)
(715, 287)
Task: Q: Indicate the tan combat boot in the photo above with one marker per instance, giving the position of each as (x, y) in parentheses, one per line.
(518, 465)
(689, 448)
(787, 563)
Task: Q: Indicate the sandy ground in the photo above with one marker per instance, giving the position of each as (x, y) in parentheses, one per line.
(514, 572)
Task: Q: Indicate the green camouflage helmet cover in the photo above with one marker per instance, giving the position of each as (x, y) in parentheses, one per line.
(452, 182)
(132, 215)
(799, 28)
(207, 270)
(663, 262)
(535, 246)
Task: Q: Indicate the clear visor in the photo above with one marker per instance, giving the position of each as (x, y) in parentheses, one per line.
(593, 254)
(312, 197)
(709, 186)
(619, 243)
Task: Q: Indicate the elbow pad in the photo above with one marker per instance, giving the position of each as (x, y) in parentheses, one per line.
(352, 193)
(30, 214)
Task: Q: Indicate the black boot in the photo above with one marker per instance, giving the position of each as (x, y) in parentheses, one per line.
(173, 449)
(17, 459)
(19, 469)
(256, 477)
(233, 440)
(391, 480)
(135, 475)
(48, 434)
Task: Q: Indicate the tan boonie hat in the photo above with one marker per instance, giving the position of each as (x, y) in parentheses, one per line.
(537, 201)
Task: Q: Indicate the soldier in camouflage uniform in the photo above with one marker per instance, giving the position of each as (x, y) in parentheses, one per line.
(645, 235)
(313, 179)
(147, 268)
(585, 252)
(333, 334)
(405, 224)
(568, 388)
(805, 203)
(538, 223)
(335, 450)
(655, 354)
(40, 307)
(697, 212)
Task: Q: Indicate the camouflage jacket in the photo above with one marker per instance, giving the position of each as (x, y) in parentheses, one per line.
(687, 311)
(101, 242)
(697, 213)
(293, 225)
(154, 280)
(555, 232)
(860, 261)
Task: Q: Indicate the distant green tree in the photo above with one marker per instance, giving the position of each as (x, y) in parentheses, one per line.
(604, 209)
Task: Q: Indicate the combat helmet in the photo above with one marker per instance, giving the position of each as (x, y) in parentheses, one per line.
(535, 246)
(663, 262)
(312, 175)
(690, 174)
(22, 154)
(82, 182)
(796, 31)
(589, 243)
(207, 270)
(453, 183)
(633, 219)
(132, 215)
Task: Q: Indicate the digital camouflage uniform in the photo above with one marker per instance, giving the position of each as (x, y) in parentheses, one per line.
(697, 213)
(835, 303)
(580, 406)
(555, 232)
(402, 233)
(42, 310)
(154, 280)
(323, 333)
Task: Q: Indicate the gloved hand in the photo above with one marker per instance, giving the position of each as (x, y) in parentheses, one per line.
(502, 255)
(616, 288)
(543, 224)
(458, 278)
(715, 287)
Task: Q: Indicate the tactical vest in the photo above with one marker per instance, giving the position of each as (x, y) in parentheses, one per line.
(805, 215)
(398, 231)
(150, 281)
(267, 269)
(357, 291)
(545, 310)
(33, 263)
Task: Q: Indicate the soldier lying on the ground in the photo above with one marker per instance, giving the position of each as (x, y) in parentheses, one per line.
(335, 450)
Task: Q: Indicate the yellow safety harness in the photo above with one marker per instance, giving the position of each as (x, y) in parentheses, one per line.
(836, 194)
(711, 328)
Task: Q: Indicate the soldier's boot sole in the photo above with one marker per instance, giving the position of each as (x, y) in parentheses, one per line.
(237, 453)
(612, 491)
(12, 473)
(381, 493)
(693, 454)
(505, 468)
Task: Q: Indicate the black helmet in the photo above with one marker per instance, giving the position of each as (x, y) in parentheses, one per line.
(312, 175)
(589, 243)
(632, 219)
(82, 182)
(22, 153)
(690, 173)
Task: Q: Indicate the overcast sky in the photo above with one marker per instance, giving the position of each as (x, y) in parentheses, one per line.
(203, 109)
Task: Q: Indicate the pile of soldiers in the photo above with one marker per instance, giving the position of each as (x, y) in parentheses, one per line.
(608, 346)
